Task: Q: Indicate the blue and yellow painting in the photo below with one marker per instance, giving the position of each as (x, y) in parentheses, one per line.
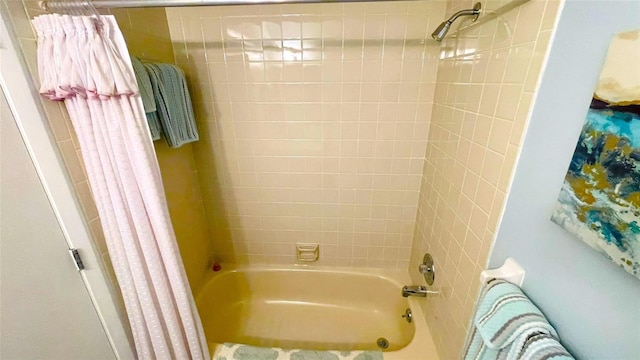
(600, 197)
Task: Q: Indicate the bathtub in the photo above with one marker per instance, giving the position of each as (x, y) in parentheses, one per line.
(313, 308)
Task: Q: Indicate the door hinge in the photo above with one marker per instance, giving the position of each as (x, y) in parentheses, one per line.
(77, 259)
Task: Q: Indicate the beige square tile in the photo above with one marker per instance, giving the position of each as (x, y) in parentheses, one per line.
(489, 99)
(500, 135)
(496, 66)
(483, 129)
(492, 167)
(508, 101)
(477, 157)
(73, 161)
(484, 195)
(470, 184)
(86, 200)
(528, 25)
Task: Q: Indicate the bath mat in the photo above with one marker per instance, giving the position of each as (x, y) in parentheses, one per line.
(246, 352)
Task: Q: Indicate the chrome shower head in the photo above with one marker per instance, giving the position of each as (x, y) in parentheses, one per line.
(443, 28)
(441, 31)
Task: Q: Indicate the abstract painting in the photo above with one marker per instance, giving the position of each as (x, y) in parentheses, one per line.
(600, 197)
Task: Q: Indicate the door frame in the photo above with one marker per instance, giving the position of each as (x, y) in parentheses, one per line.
(32, 123)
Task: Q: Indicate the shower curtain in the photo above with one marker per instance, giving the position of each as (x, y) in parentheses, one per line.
(84, 62)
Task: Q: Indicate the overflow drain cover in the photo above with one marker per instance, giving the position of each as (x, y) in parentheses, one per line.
(382, 343)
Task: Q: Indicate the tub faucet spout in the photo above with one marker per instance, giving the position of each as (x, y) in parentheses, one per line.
(417, 290)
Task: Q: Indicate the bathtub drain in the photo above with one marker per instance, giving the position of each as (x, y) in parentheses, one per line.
(382, 343)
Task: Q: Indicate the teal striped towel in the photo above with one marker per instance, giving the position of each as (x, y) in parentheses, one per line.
(173, 104)
(146, 93)
(509, 326)
(230, 351)
(543, 346)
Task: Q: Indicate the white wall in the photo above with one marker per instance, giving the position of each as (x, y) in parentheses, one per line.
(593, 304)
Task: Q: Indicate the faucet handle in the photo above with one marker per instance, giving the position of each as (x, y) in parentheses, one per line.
(428, 269)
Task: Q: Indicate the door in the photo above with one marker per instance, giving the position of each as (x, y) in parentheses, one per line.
(45, 309)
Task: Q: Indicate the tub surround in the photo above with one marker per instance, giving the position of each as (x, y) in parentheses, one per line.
(313, 121)
(486, 79)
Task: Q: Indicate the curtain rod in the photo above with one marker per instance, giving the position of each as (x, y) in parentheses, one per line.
(53, 5)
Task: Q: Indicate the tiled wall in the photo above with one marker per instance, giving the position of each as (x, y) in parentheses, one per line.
(486, 80)
(147, 35)
(314, 121)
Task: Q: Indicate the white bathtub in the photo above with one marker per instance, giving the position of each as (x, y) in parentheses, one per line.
(312, 308)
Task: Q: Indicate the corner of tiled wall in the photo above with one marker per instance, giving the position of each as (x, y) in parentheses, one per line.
(486, 80)
(146, 32)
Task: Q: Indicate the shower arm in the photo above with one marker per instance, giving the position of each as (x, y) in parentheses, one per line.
(442, 29)
(466, 12)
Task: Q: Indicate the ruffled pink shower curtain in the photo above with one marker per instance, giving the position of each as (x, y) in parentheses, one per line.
(85, 63)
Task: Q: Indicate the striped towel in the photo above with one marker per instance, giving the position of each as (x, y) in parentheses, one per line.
(509, 326)
(146, 93)
(173, 104)
(543, 346)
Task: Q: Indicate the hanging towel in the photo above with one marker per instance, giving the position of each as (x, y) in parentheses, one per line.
(543, 346)
(173, 104)
(507, 325)
(230, 351)
(146, 93)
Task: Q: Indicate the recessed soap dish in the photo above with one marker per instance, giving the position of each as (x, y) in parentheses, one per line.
(307, 252)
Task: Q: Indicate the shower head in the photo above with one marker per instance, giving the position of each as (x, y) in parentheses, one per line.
(441, 31)
(443, 28)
